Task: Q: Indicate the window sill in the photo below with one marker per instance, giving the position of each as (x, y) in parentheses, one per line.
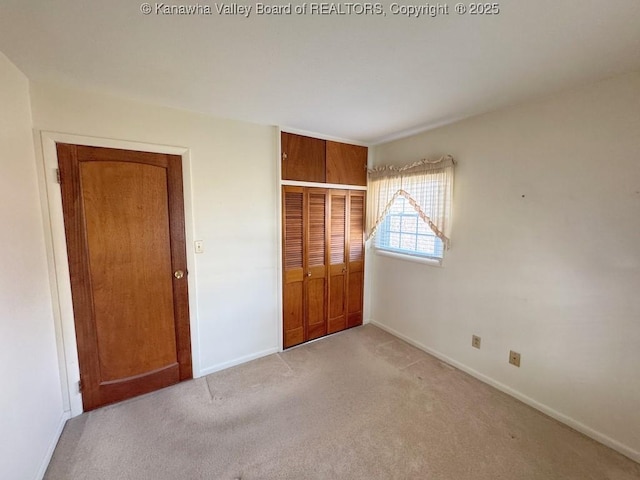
(409, 258)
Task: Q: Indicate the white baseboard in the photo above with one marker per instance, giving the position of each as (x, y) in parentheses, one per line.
(233, 363)
(52, 445)
(571, 422)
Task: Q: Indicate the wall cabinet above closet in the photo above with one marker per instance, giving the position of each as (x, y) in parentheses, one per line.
(308, 159)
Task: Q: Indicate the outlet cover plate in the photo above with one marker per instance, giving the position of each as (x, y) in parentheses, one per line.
(514, 358)
(475, 341)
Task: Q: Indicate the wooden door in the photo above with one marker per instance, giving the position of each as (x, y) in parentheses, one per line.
(293, 226)
(355, 259)
(303, 158)
(346, 164)
(304, 234)
(316, 263)
(124, 225)
(337, 289)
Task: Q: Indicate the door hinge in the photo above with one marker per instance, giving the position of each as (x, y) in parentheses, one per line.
(79, 385)
(58, 177)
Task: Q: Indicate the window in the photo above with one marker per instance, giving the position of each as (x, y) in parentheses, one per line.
(409, 208)
(403, 231)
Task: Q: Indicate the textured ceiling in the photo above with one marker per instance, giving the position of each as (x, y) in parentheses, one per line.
(367, 78)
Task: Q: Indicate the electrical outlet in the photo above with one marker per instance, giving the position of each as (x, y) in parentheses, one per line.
(514, 358)
(475, 341)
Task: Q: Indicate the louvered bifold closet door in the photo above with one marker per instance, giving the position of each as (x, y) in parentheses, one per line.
(293, 263)
(316, 263)
(355, 260)
(337, 300)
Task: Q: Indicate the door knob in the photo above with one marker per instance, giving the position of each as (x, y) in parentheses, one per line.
(178, 274)
(308, 274)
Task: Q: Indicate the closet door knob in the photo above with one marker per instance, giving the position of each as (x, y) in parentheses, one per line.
(178, 274)
(308, 274)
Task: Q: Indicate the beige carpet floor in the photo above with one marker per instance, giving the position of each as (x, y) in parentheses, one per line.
(357, 405)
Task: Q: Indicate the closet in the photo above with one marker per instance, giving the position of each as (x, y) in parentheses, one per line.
(323, 238)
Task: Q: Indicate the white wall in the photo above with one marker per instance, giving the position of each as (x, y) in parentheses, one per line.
(31, 413)
(545, 256)
(234, 195)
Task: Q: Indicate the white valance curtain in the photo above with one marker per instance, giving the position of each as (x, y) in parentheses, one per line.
(427, 185)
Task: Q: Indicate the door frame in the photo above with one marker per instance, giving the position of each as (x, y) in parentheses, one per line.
(58, 263)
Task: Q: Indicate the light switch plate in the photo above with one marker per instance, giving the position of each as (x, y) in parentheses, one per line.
(199, 246)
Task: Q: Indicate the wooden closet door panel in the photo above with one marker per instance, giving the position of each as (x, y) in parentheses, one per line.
(337, 301)
(293, 314)
(316, 263)
(323, 261)
(293, 263)
(303, 158)
(355, 266)
(346, 164)
(356, 284)
(316, 320)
